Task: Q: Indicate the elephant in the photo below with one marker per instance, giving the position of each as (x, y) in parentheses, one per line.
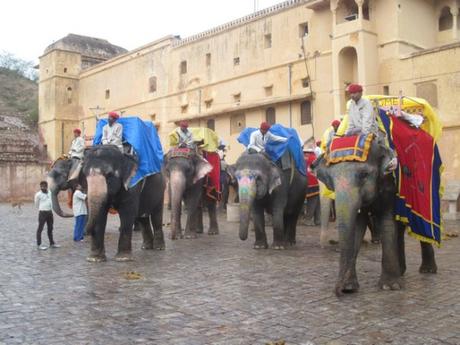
(186, 172)
(264, 186)
(363, 189)
(107, 172)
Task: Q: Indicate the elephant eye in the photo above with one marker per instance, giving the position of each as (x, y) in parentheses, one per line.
(363, 175)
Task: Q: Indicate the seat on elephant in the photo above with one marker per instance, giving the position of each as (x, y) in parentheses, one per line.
(183, 152)
(349, 148)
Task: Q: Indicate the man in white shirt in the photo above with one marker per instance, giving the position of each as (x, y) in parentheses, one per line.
(45, 215)
(80, 213)
(112, 133)
(78, 145)
(185, 136)
(361, 114)
(261, 137)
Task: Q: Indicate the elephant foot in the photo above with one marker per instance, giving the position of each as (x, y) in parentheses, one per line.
(428, 268)
(260, 245)
(375, 241)
(96, 258)
(278, 246)
(350, 286)
(291, 243)
(212, 232)
(123, 257)
(147, 246)
(190, 236)
(159, 244)
(387, 283)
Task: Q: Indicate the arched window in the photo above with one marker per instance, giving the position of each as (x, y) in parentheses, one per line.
(445, 21)
(305, 113)
(69, 95)
(270, 115)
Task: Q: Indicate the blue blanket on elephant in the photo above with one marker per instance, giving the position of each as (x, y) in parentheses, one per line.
(276, 149)
(143, 137)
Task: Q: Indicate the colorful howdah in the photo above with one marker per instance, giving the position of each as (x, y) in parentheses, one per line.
(418, 178)
(349, 149)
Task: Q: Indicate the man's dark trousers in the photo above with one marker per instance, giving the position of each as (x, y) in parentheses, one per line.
(45, 217)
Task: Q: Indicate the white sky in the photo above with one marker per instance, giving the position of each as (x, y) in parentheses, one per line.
(27, 27)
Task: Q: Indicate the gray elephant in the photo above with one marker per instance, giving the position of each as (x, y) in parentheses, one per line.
(263, 186)
(363, 189)
(106, 172)
(186, 171)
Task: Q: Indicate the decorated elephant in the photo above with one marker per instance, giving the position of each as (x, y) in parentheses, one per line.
(186, 171)
(364, 188)
(108, 173)
(264, 186)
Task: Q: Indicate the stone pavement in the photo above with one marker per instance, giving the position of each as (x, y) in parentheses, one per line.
(214, 290)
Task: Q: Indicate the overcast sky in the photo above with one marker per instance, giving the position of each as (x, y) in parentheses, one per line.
(27, 27)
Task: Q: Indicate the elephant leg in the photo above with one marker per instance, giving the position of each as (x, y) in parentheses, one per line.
(147, 234)
(390, 278)
(325, 210)
(199, 219)
(428, 259)
(290, 224)
(192, 200)
(212, 213)
(258, 216)
(401, 248)
(374, 229)
(97, 239)
(127, 218)
(278, 228)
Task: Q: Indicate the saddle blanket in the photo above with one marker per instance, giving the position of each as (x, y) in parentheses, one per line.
(349, 149)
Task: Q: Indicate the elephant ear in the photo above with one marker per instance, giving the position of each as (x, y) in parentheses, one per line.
(75, 169)
(129, 170)
(202, 168)
(275, 179)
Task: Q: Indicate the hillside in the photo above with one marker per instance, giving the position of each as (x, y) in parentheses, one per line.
(18, 95)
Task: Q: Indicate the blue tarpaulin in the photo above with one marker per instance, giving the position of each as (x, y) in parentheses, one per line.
(143, 137)
(276, 149)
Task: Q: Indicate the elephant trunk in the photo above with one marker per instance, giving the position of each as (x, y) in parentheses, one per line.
(177, 185)
(246, 192)
(55, 201)
(348, 204)
(97, 197)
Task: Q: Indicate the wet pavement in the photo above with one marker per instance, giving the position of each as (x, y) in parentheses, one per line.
(214, 290)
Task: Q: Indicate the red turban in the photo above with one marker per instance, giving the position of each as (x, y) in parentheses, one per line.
(354, 88)
(335, 123)
(264, 126)
(183, 124)
(77, 130)
(114, 115)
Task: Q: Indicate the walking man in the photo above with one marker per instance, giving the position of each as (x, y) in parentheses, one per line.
(45, 215)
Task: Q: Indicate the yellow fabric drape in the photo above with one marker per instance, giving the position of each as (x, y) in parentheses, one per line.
(209, 137)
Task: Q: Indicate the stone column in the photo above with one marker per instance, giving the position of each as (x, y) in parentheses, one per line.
(360, 4)
(454, 13)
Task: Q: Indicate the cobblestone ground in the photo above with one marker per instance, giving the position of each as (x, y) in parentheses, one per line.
(214, 290)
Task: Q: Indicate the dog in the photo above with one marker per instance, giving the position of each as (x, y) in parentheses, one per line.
(16, 205)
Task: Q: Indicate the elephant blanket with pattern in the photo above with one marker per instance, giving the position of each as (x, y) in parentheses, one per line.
(418, 178)
(348, 149)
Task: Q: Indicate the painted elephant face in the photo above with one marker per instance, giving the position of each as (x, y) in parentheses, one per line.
(355, 180)
(257, 177)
